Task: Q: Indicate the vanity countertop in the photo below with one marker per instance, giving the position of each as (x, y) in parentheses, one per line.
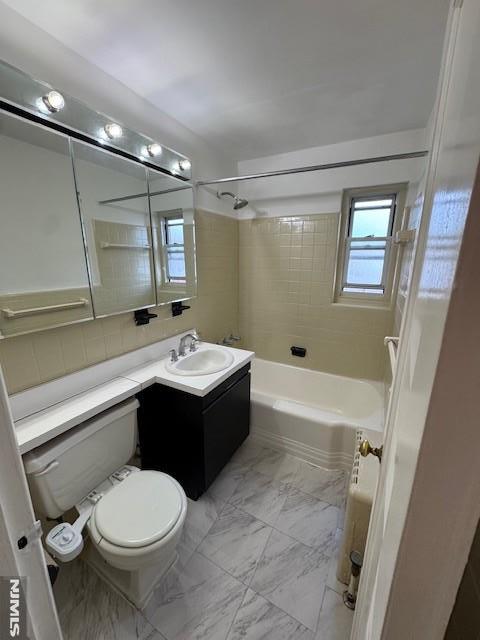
(40, 427)
(46, 411)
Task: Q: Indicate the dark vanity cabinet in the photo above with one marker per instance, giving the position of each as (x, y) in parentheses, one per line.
(190, 437)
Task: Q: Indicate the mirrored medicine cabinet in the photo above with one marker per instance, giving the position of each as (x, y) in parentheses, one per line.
(84, 232)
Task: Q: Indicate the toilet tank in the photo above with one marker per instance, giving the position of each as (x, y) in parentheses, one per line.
(63, 471)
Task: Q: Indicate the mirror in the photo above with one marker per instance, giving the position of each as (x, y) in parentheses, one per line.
(173, 232)
(86, 233)
(43, 271)
(113, 198)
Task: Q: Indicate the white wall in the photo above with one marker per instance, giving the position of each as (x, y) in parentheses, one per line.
(32, 50)
(321, 191)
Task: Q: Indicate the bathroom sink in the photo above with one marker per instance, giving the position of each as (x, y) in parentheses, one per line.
(201, 362)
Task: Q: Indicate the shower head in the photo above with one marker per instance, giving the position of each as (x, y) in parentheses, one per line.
(238, 203)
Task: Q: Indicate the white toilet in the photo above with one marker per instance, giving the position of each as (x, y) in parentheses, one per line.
(134, 518)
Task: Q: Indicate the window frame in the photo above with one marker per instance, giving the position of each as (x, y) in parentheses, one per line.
(388, 281)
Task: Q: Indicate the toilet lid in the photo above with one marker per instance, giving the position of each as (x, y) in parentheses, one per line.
(140, 510)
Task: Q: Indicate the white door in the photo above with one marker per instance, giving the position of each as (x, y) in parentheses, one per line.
(425, 509)
(17, 521)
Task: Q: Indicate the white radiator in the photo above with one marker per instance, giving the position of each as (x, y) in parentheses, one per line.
(363, 482)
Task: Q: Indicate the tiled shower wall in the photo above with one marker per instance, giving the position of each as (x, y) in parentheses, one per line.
(287, 268)
(37, 357)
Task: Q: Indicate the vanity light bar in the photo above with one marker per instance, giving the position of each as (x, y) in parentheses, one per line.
(35, 100)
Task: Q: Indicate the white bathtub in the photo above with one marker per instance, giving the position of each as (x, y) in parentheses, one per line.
(310, 414)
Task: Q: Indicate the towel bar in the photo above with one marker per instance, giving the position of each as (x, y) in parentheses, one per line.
(10, 313)
(391, 342)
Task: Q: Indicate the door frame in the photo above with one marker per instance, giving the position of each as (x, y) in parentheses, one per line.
(443, 508)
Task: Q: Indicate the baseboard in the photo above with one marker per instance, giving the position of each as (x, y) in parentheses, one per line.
(317, 457)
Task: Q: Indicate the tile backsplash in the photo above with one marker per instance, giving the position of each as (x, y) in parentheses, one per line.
(287, 268)
(38, 357)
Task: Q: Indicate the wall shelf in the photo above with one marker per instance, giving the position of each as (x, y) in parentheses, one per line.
(114, 245)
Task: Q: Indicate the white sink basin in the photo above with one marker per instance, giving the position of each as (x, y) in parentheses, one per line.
(201, 362)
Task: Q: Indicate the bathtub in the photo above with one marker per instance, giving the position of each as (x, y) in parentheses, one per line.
(310, 414)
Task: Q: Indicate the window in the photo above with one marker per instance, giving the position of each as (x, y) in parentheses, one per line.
(366, 265)
(175, 249)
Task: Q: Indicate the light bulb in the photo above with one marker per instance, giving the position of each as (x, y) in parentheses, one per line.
(113, 130)
(54, 101)
(184, 165)
(154, 149)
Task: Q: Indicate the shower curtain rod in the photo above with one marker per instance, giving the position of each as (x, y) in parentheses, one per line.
(316, 167)
(144, 194)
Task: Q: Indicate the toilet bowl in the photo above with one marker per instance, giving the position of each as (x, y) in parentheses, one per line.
(134, 518)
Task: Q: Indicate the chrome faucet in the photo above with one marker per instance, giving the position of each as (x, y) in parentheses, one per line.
(183, 341)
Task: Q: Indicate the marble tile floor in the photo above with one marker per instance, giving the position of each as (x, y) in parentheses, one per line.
(256, 562)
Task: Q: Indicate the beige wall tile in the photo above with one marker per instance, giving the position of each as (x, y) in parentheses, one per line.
(19, 363)
(113, 344)
(48, 355)
(73, 347)
(96, 350)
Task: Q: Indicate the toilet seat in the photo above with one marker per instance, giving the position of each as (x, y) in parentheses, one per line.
(140, 510)
(162, 533)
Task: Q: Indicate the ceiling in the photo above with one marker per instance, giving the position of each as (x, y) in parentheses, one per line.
(259, 77)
